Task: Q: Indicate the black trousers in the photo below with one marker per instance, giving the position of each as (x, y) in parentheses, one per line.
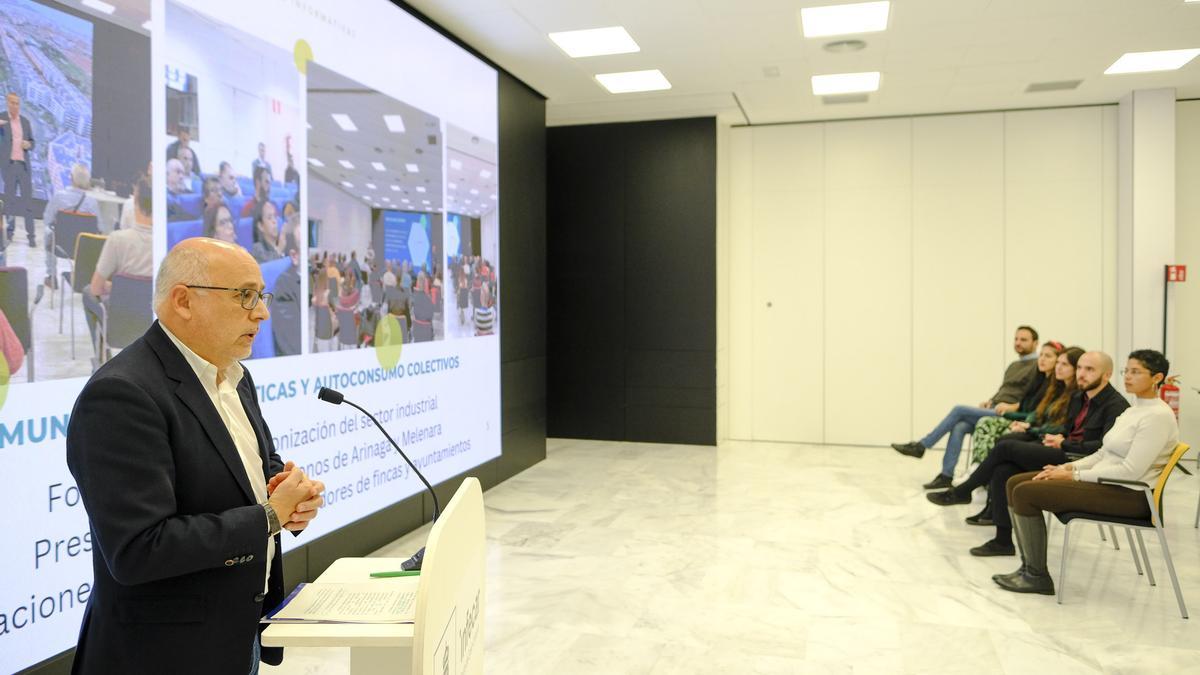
(16, 177)
(1009, 457)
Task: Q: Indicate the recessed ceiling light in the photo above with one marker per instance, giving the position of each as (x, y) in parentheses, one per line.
(845, 83)
(635, 80)
(466, 201)
(387, 199)
(1148, 62)
(484, 174)
(420, 188)
(346, 163)
(493, 196)
(395, 123)
(378, 166)
(864, 17)
(347, 184)
(412, 168)
(100, 6)
(595, 42)
(452, 186)
(371, 186)
(316, 162)
(343, 120)
(405, 201)
(456, 164)
(395, 188)
(150, 26)
(424, 201)
(474, 191)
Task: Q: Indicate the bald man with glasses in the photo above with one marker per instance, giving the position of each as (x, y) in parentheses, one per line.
(185, 493)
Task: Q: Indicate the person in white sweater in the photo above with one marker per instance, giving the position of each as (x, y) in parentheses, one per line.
(1136, 448)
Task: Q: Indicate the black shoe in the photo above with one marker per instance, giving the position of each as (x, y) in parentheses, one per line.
(1026, 582)
(914, 449)
(939, 482)
(983, 518)
(51, 282)
(32, 242)
(993, 548)
(1011, 576)
(947, 498)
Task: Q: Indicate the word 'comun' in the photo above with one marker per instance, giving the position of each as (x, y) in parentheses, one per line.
(34, 430)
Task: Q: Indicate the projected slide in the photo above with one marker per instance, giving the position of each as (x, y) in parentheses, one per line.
(367, 194)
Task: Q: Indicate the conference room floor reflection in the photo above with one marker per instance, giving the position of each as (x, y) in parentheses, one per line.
(774, 558)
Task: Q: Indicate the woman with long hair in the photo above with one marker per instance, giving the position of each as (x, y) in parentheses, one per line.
(218, 223)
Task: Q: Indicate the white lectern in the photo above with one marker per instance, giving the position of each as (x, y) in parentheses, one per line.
(447, 636)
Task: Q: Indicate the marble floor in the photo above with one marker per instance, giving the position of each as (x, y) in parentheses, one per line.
(775, 558)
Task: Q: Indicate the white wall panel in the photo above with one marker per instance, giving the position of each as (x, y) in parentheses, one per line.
(787, 274)
(1185, 357)
(741, 263)
(958, 263)
(868, 281)
(1054, 197)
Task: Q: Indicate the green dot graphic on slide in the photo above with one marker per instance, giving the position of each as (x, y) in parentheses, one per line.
(389, 340)
(302, 53)
(4, 377)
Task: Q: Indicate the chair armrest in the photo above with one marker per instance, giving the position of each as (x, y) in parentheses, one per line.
(1118, 481)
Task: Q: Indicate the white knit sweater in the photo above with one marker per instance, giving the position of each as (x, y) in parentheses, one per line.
(1136, 447)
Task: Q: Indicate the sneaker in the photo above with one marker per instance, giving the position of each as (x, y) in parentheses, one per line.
(947, 498)
(993, 548)
(939, 482)
(914, 449)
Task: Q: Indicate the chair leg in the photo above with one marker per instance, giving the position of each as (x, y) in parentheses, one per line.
(1113, 531)
(1062, 568)
(1197, 523)
(1101, 528)
(1133, 550)
(1146, 559)
(1162, 540)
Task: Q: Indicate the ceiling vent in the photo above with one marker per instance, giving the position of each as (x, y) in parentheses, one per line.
(1061, 85)
(846, 98)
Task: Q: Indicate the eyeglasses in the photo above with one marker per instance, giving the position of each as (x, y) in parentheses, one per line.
(249, 296)
(1134, 371)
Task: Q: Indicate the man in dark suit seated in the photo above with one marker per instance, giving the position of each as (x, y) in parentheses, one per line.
(184, 491)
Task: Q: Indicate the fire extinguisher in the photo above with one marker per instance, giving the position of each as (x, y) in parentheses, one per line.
(1169, 392)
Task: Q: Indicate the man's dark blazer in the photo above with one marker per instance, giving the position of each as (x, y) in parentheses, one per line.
(179, 542)
(1103, 411)
(6, 137)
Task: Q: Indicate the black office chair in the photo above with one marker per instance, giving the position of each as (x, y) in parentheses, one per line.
(347, 331)
(79, 277)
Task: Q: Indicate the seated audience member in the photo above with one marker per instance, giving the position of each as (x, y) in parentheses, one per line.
(212, 193)
(266, 234)
(1136, 448)
(389, 277)
(1092, 412)
(184, 140)
(290, 175)
(260, 162)
(218, 224)
(291, 225)
(175, 178)
(485, 313)
(126, 251)
(1047, 415)
(262, 192)
(191, 176)
(285, 310)
(73, 198)
(229, 184)
(962, 418)
(348, 298)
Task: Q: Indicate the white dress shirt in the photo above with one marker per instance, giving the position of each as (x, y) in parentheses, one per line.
(225, 399)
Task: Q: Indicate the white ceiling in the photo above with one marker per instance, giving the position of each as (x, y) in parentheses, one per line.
(936, 56)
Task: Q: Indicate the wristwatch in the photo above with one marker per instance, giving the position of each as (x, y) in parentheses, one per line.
(273, 526)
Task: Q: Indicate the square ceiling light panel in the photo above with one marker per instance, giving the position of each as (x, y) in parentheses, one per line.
(633, 81)
(595, 42)
(845, 83)
(1149, 62)
(863, 17)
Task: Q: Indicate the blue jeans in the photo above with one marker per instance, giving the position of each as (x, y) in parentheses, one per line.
(257, 656)
(958, 423)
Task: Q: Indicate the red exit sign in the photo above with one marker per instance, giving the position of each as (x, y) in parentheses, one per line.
(1176, 273)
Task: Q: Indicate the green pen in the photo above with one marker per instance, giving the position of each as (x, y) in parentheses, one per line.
(387, 575)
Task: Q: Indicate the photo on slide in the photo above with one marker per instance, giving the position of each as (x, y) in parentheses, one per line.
(472, 235)
(74, 138)
(375, 215)
(230, 170)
